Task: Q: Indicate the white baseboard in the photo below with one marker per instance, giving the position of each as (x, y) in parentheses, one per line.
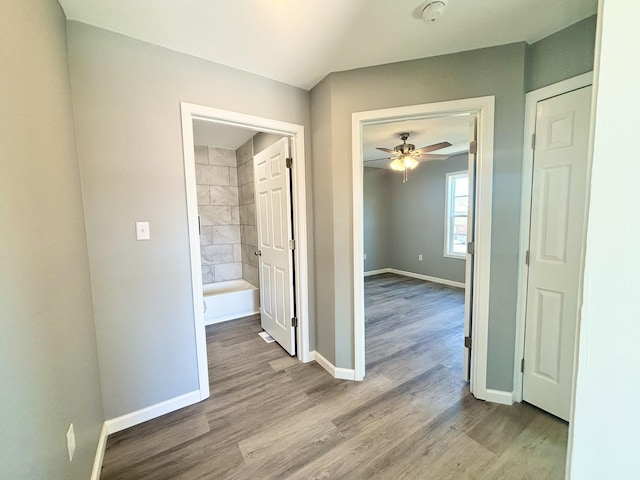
(499, 396)
(310, 357)
(140, 416)
(336, 372)
(442, 281)
(102, 445)
(226, 318)
(377, 272)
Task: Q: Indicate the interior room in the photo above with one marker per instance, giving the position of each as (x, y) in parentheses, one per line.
(227, 220)
(107, 243)
(415, 239)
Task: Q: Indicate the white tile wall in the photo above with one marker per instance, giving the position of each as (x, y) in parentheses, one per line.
(212, 175)
(223, 195)
(215, 215)
(217, 254)
(225, 234)
(228, 271)
(218, 207)
(222, 156)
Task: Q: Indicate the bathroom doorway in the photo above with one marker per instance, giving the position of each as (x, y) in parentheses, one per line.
(229, 166)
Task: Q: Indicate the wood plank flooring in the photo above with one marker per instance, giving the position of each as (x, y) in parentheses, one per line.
(271, 417)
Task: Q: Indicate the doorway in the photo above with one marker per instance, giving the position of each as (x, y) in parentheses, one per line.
(295, 134)
(416, 239)
(479, 251)
(552, 242)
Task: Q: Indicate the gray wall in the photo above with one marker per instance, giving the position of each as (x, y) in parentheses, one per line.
(323, 214)
(48, 356)
(126, 96)
(218, 207)
(376, 213)
(563, 55)
(495, 71)
(417, 220)
(263, 140)
(404, 220)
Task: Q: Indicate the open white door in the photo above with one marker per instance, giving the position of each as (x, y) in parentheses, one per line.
(468, 277)
(555, 249)
(273, 214)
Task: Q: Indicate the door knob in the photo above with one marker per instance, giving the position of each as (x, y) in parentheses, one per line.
(257, 253)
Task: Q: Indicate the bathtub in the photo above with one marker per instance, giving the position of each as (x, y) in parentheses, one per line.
(228, 300)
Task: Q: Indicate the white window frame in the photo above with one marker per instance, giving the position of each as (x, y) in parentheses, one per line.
(448, 208)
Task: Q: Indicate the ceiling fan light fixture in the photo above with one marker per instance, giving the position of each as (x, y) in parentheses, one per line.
(433, 11)
(409, 162)
(397, 165)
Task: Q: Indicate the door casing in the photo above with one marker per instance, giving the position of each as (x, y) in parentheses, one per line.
(295, 132)
(483, 109)
(532, 100)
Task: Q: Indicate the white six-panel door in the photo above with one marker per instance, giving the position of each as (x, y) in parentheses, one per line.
(273, 215)
(555, 249)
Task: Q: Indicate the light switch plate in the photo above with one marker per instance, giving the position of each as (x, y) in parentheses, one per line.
(420, 258)
(142, 231)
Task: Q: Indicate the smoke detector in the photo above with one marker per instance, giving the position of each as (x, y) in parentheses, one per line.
(432, 11)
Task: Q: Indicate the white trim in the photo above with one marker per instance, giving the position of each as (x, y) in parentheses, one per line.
(189, 112)
(154, 411)
(448, 205)
(442, 281)
(531, 104)
(100, 449)
(420, 276)
(499, 396)
(336, 372)
(228, 318)
(483, 108)
(194, 250)
(377, 272)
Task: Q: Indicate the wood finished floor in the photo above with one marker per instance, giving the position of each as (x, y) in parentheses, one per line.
(271, 417)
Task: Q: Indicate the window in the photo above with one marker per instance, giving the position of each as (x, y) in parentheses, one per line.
(457, 208)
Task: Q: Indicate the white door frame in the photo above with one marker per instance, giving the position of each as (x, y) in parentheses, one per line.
(189, 112)
(532, 100)
(483, 108)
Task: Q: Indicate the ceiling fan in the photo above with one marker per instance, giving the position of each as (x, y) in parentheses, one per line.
(407, 156)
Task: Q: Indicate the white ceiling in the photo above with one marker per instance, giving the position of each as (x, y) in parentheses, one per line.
(452, 129)
(300, 41)
(220, 135)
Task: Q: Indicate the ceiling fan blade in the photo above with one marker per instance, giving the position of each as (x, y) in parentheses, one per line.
(426, 157)
(431, 148)
(378, 159)
(387, 150)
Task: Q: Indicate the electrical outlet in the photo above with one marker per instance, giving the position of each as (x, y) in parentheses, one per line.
(142, 231)
(365, 256)
(71, 442)
(420, 257)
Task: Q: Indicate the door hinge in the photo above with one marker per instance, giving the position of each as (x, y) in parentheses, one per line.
(294, 321)
(473, 147)
(199, 226)
(292, 244)
(471, 248)
(522, 365)
(533, 141)
(467, 342)
(289, 162)
(527, 257)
